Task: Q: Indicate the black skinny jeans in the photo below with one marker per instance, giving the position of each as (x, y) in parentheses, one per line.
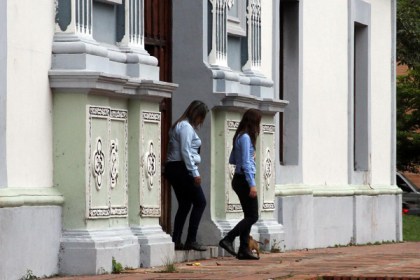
(187, 195)
(250, 209)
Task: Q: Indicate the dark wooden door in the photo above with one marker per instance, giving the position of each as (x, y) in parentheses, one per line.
(157, 27)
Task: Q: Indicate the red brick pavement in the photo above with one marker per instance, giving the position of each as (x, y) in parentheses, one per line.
(374, 262)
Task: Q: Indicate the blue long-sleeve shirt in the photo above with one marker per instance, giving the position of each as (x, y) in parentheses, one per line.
(184, 145)
(242, 156)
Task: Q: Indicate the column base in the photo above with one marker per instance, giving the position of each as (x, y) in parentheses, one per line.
(271, 234)
(156, 246)
(84, 252)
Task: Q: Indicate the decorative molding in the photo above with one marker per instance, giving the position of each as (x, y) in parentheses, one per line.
(268, 206)
(119, 211)
(149, 211)
(99, 212)
(99, 111)
(150, 186)
(151, 116)
(119, 114)
(105, 159)
(269, 128)
(268, 168)
(233, 207)
(112, 211)
(98, 164)
(232, 125)
(114, 163)
(150, 165)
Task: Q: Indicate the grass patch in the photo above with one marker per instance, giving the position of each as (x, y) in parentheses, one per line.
(411, 228)
(169, 266)
(29, 276)
(116, 267)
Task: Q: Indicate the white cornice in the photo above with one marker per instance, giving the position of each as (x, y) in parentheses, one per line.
(241, 101)
(90, 82)
(17, 197)
(344, 190)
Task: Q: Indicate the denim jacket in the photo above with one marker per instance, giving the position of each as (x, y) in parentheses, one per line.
(242, 156)
(184, 145)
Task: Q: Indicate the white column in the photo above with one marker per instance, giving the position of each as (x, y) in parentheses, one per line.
(80, 13)
(254, 36)
(134, 24)
(83, 12)
(218, 54)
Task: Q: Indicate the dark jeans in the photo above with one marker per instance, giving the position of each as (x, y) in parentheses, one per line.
(250, 209)
(188, 195)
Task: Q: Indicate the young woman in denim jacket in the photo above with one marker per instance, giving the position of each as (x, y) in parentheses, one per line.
(181, 170)
(243, 183)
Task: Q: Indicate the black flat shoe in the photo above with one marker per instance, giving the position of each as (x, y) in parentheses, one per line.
(179, 246)
(194, 246)
(246, 255)
(228, 246)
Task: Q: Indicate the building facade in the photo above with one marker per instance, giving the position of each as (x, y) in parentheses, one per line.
(88, 89)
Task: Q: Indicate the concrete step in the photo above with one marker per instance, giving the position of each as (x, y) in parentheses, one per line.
(191, 255)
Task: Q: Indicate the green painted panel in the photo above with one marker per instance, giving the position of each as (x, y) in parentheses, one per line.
(118, 163)
(69, 118)
(144, 162)
(265, 167)
(89, 132)
(98, 167)
(150, 161)
(133, 161)
(225, 202)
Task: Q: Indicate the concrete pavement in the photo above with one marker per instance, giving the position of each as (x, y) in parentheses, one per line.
(386, 261)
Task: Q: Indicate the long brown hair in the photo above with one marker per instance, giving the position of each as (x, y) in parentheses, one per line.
(250, 124)
(195, 114)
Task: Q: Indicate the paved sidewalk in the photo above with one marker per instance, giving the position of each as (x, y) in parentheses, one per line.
(387, 261)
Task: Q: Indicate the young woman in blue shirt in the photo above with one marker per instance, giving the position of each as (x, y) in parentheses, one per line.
(243, 183)
(181, 170)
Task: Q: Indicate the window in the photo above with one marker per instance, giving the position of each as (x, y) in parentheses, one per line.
(361, 98)
(289, 82)
(359, 91)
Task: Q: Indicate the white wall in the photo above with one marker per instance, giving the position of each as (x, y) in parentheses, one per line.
(266, 38)
(30, 27)
(3, 91)
(325, 80)
(381, 92)
(325, 92)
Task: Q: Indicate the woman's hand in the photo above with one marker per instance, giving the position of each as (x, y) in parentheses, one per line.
(197, 181)
(253, 192)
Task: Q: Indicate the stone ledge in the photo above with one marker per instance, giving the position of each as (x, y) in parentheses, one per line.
(17, 197)
(345, 190)
(191, 255)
